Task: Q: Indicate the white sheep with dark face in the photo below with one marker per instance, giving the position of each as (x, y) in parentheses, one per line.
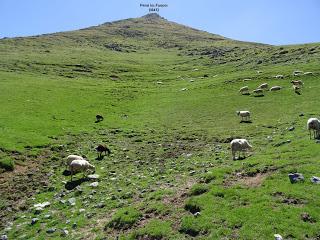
(313, 126)
(245, 115)
(239, 145)
(80, 166)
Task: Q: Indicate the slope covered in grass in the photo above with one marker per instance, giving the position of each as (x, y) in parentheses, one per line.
(168, 94)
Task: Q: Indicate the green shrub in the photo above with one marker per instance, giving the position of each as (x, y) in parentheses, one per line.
(124, 218)
(7, 164)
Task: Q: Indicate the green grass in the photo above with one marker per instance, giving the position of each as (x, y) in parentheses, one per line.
(170, 148)
(7, 163)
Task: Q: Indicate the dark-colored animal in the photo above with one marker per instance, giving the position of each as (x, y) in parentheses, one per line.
(99, 118)
(101, 148)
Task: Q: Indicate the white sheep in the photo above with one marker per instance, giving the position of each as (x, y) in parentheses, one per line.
(313, 125)
(297, 73)
(275, 88)
(72, 157)
(239, 145)
(80, 166)
(297, 82)
(264, 86)
(244, 90)
(258, 92)
(244, 114)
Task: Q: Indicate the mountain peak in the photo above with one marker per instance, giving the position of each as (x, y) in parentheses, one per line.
(152, 16)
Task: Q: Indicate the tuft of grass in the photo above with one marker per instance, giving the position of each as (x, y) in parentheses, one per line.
(7, 164)
(124, 218)
(198, 189)
(156, 229)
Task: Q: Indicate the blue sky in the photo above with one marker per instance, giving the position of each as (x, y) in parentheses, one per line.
(267, 21)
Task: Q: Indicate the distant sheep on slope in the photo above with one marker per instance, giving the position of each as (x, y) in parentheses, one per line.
(244, 90)
(80, 166)
(264, 86)
(313, 125)
(297, 83)
(245, 115)
(275, 88)
(101, 148)
(258, 92)
(239, 145)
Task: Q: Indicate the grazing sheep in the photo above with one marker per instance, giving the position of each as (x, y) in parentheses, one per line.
(99, 118)
(70, 158)
(275, 88)
(244, 90)
(297, 73)
(279, 76)
(264, 86)
(80, 166)
(258, 92)
(239, 145)
(101, 148)
(297, 82)
(245, 115)
(313, 125)
(308, 73)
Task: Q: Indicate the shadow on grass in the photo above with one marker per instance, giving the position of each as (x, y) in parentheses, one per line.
(258, 95)
(245, 121)
(73, 184)
(100, 157)
(246, 94)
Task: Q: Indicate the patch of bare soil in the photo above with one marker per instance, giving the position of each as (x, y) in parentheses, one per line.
(19, 185)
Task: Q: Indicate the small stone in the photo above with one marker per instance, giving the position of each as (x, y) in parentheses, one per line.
(72, 201)
(301, 114)
(291, 128)
(94, 184)
(38, 210)
(34, 221)
(192, 172)
(68, 221)
(81, 210)
(47, 216)
(51, 230)
(197, 214)
(277, 237)
(295, 177)
(93, 176)
(315, 179)
(4, 237)
(100, 205)
(41, 205)
(64, 232)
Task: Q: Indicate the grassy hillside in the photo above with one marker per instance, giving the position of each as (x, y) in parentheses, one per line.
(168, 94)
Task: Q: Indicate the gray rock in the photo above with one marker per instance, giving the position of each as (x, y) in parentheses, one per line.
(291, 128)
(34, 221)
(277, 237)
(4, 237)
(47, 216)
(72, 201)
(51, 230)
(94, 184)
(93, 176)
(295, 177)
(100, 205)
(64, 232)
(315, 179)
